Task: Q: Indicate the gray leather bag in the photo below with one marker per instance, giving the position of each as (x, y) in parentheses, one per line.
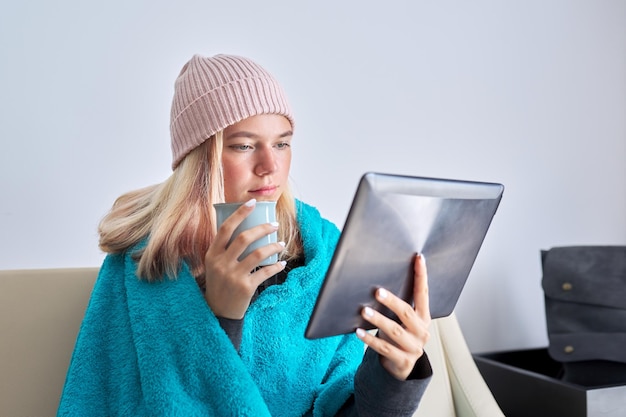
(585, 302)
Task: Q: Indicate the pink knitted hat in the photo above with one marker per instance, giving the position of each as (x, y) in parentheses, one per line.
(213, 93)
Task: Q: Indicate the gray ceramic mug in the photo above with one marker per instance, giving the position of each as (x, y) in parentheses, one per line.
(264, 212)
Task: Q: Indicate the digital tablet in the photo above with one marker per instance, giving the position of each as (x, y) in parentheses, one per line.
(393, 217)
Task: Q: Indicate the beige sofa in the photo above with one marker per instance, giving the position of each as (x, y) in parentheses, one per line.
(41, 311)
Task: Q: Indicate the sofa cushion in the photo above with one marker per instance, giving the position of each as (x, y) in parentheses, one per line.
(40, 314)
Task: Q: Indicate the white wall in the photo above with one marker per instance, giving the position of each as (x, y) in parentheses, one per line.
(528, 93)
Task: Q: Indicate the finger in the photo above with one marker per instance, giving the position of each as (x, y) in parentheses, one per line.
(262, 274)
(420, 288)
(257, 256)
(226, 230)
(406, 314)
(397, 362)
(393, 331)
(244, 239)
(382, 347)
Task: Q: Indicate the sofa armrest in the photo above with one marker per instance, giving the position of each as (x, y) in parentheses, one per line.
(472, 397)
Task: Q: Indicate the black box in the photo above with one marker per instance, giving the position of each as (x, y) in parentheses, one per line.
(526, 383)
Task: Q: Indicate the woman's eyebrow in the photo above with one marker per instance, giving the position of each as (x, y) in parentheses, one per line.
(252, 135)
(241, 134)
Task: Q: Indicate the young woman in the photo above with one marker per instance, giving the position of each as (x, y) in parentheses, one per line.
(178, 326)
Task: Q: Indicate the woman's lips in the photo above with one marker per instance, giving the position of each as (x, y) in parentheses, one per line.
(264, 191)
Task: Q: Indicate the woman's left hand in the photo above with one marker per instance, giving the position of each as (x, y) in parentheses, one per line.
(401, 345)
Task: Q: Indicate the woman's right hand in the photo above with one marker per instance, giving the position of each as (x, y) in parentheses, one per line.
(230, 283)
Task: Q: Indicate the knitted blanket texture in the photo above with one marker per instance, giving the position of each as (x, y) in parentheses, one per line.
(156, 349)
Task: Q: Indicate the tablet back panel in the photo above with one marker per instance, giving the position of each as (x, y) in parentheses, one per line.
(391, 219)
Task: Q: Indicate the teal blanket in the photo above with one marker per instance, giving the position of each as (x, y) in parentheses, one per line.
(156, 349)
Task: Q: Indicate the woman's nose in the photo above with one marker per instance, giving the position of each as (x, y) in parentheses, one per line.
(266, 163)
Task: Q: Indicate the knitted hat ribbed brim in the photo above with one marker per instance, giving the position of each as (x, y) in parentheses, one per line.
(213, 93)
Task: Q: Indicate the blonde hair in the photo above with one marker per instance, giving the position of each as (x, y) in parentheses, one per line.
(178, 218)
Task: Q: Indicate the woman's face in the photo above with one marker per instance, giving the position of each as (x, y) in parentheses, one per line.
(256, 158)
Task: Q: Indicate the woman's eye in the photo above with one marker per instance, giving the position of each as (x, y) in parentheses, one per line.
(240, 147)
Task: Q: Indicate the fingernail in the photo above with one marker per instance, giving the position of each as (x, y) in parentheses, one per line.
(360, 332)
(274, 224)
(382, 293)
(250, 203)
(282, 244)
(283, 263)
(368, 312)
